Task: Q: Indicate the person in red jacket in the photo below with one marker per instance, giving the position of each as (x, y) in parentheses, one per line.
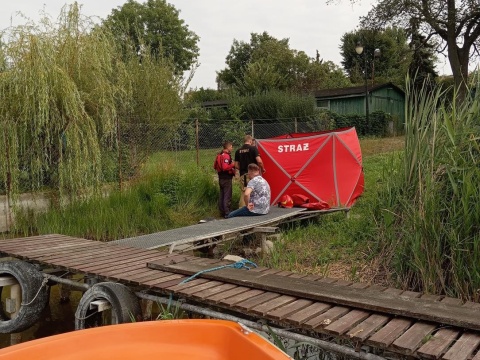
(226, 170)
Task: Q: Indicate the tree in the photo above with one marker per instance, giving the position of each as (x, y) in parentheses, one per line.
(454, 23)
(422, 67)
(391, 65)
(267, 64)
(156, 25)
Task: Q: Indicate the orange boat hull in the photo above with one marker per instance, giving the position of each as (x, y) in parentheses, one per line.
(172, 339)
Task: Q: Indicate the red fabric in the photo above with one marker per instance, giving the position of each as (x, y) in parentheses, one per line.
(300, 199)
(323, 166)
(319, 205)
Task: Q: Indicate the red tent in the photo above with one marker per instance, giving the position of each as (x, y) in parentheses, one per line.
(324, 166)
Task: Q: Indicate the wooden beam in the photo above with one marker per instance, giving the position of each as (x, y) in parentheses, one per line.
(341, 295)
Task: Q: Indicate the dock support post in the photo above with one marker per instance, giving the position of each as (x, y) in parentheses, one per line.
(262, 232)
(16, 302)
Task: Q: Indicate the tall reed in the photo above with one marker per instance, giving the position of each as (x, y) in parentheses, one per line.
(436, 202)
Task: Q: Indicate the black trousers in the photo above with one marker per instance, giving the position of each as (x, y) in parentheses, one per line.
(225, 198)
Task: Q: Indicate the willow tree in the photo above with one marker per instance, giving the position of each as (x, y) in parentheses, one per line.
(58, 104)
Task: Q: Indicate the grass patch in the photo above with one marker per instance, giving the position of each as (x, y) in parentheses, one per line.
(163, 199)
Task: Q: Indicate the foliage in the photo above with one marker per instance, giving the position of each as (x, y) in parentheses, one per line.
(453, 24)
(67, 95)
(390, 66)
(171, 311)
(58, 103)
(378, 122)
(266, 64)
(155, 25)
(430, 211)
(422, 66)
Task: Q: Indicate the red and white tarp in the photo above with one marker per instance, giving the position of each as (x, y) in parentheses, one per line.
(324, 166)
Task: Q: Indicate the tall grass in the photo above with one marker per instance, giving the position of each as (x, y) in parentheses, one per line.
(161, 200)
(430, 213)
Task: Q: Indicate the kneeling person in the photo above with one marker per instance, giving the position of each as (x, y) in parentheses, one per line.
(257, 195)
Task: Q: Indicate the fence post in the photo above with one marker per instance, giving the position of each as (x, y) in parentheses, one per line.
(253, 130)
(198, 142)
(296, 129)
(119, 139)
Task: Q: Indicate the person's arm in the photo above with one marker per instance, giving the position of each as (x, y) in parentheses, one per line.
(246, 198)
(260, 164)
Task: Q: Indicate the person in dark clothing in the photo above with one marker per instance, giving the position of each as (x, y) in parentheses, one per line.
(244, 156)
(225, 179)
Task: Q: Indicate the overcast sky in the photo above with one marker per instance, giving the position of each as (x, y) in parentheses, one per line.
(309, 24)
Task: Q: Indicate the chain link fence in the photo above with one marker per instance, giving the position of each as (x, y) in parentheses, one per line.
(192, 142)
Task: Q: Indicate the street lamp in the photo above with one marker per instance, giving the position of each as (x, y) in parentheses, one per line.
(359, 50)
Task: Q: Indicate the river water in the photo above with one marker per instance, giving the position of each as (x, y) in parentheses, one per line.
(57, 318)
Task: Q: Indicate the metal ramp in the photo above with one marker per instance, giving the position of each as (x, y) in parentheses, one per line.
(216, 231)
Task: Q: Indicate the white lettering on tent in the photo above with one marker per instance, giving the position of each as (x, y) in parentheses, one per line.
(292, 148)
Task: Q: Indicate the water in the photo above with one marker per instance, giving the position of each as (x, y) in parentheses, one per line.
(57, 318)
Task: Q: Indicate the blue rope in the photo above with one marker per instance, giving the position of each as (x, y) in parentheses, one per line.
(238, 265)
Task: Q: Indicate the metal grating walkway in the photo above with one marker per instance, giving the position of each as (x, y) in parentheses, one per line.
(210, 229)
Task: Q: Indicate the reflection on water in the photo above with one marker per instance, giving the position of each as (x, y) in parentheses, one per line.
(57, 318)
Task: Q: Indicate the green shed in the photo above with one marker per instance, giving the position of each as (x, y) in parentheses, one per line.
(387, 97)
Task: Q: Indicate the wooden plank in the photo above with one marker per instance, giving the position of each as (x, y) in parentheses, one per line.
(346, 296)
(214, 290)
(193, 289)
(346, 322)
(273, 304)
(463, 347)
(164, 279)
(307, 313)
(229, 293)
(438, 344)
(431, 297)
(326, 318)
(231, 301)
(368, 327)
(389, 333)
(477, 357)
(451, 301)
(256, 301)
(359, 285)
(284, 311)
(413, 338)
(182, 286)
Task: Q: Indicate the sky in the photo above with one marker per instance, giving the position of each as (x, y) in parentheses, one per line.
(310, 25)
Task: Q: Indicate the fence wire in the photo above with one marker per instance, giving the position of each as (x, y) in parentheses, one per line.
(192, 140)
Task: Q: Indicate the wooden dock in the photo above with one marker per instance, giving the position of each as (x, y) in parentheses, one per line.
(400, 323)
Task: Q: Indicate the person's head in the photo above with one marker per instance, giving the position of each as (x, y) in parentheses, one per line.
(248, 139)
(253, 170)
(227, 145)
(253, 142)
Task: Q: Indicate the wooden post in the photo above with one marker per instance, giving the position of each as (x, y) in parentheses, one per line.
(262, 235)
(15, 303)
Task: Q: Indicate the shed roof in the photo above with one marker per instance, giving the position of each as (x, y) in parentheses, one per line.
(355, 90)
